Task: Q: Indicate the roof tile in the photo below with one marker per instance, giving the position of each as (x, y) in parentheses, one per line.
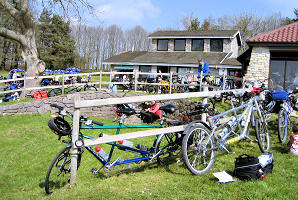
(283, 34)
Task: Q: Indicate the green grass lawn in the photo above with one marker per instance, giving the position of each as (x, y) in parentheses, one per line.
(28, 147)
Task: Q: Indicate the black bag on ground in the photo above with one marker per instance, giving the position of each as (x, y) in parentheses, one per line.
(247, 167)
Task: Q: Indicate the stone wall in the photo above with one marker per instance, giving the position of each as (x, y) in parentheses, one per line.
(258, 68)
(43, 106)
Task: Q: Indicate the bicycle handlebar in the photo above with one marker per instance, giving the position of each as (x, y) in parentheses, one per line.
(98, 123)
(56, 106)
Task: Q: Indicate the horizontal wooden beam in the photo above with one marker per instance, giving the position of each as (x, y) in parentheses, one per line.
(133, 135)
(135, 99)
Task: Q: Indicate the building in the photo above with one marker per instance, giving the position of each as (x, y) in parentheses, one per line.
(179, 51)
(274, 55)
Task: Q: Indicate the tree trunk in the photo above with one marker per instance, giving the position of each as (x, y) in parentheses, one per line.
(33, 63)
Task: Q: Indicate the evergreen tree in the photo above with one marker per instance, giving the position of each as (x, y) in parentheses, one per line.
(194, 25)
(56, 45)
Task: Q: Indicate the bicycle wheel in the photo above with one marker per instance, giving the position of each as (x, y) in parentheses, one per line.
(262, 134)
(167, 147)
(198, 149)
(90, 88)
(54, 92)
(283, 125)
(58, 174)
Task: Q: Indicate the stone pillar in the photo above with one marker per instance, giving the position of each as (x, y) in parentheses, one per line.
(171, 45)
(258, 68)
(188, 45)
(206, 45)
(226, 45)
(154, 45)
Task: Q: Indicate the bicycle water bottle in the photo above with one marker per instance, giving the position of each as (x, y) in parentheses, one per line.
(126, 143)
(101, 153)
(142, 147)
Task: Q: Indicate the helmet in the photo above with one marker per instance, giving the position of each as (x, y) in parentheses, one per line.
(59, 126)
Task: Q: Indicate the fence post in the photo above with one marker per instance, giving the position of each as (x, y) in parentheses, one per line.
(136, 80)
(171, 81)
(74, 138)
(224, 82)
(25, 84)
(205, 101)
(243, 82)
(62, 84)
(201, 80)
(100, 79)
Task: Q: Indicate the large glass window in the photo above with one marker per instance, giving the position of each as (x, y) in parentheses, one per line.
(144, 69)
(216, 45)
(197, 45)
(179, 45)
(162, 45)
(284, 74)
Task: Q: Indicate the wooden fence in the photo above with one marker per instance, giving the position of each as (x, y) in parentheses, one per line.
(78, 104)
(135, 81)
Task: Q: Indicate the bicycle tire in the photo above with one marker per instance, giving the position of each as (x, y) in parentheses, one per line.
(262, 134)
(167, 146)
(54, 92)
(283, 125)
(61, 166)
(90, 88)
(194, 145)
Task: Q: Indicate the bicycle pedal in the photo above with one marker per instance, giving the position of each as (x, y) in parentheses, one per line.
(94, 171)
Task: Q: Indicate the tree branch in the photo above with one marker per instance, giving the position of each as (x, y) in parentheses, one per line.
(4, 32)
(8, 7)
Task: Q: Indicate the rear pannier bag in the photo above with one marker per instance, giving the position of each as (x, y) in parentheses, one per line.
(280, 95)
(247, 168)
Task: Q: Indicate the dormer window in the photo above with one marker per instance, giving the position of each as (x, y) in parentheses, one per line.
(216, 45)
(180, 45)
(162, 45)
(197, 45)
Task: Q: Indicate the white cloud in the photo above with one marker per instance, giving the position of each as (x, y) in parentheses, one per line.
(131, 11)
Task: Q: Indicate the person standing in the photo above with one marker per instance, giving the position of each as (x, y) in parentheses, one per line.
(203, 67)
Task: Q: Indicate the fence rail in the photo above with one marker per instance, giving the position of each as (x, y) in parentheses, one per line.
(135, 81)
(78, 104)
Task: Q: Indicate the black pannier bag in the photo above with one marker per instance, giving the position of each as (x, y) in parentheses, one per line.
(247, 168)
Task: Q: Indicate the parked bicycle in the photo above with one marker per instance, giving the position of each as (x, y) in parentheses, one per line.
(72, 89)
(163, 146)
(202, 140)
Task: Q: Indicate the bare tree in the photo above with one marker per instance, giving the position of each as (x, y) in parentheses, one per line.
(21, 12)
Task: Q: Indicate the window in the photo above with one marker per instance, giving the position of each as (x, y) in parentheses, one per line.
(179, 45)
(216, 45)
(162, 45)
(284, 74)
(144, 69)
(197, 45)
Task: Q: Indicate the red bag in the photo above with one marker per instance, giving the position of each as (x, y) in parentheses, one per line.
(40, 95)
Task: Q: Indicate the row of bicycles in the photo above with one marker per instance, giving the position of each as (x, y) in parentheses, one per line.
(196, 145)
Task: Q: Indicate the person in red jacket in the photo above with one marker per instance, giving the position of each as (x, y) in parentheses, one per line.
(151, 114)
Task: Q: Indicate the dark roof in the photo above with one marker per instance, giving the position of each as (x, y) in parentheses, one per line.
(210, 33)
(231, 61)
(171, 58)
(283, 34)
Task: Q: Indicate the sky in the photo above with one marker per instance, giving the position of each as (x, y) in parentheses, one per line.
(154, 14)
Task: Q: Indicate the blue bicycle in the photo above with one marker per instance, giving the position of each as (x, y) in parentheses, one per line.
(164, 146)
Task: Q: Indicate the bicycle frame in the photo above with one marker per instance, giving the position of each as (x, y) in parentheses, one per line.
(247, 115)
(144, 155)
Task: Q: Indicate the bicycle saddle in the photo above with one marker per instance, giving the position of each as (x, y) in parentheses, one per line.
(128, 111)
(168, 109)
(202, 106)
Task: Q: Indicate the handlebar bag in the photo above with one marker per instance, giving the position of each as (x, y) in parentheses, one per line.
(280, 95)
(247, 168)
